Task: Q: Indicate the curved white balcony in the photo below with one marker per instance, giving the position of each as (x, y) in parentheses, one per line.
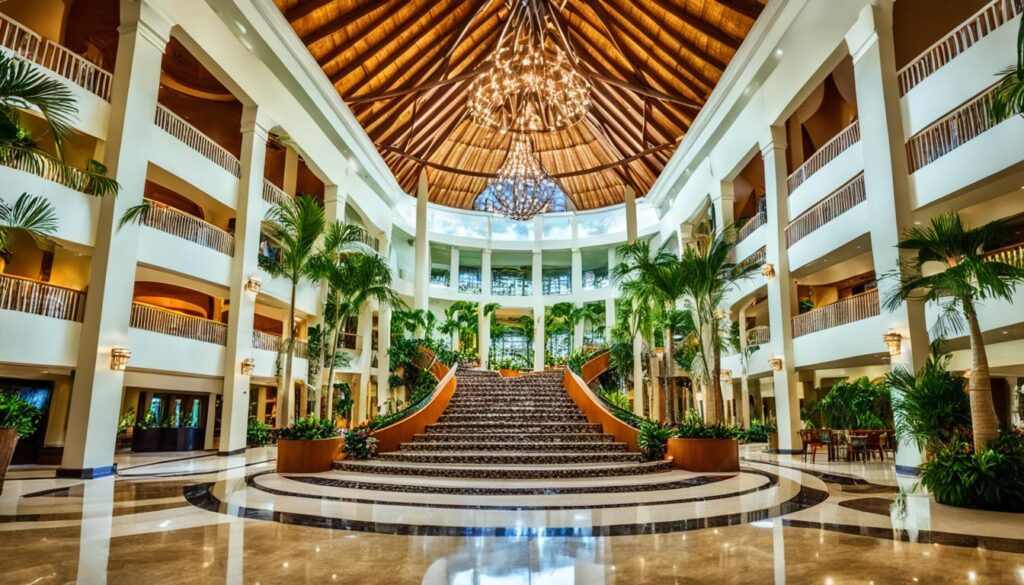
(180, 243)
(167, 341)
(180, 149)
(48, 318)
(77, 213)
(834, 165)
(836, 221)
(850, 328)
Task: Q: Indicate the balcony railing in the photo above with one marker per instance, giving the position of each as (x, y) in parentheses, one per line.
(196, 140)
(951, 132)
(759, 256)
(979, 26)
(348, 341)
(160, 320)
(188, 227)
(826, 154)
(844, 199)
(751, 226)
(372, 242)
(56, 58)
(1013, 255)
(267, 341)
(301, 349)
(855, 308)
(759, 335)
(273, 194)
(40, 298)
(51, 169)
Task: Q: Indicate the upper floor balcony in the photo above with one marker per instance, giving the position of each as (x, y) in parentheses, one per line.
(760, 335)
(849, 329)
(848, 310)
(184, 151)
(52, 314)
(827, 170)
(844, 215)
(41, 298)
(77, 213)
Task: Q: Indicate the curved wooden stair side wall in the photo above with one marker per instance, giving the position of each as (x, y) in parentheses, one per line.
(391, 437)
(579, 390)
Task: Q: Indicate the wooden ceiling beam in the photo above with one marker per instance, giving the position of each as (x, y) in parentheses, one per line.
(385, 42)
(304, 8)
(695, 22)
(348, 19)
(749, 8)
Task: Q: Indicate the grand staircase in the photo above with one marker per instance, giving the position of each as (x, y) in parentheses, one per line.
(510, 428)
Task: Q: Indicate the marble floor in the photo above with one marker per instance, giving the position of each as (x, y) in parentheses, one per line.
(199, 518)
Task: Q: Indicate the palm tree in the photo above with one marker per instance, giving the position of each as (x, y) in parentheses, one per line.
(296, 225)
(969, 278)
(1008, 99)
(30, 214)
(24, 87)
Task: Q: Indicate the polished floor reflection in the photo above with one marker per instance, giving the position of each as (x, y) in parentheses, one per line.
(205, 519)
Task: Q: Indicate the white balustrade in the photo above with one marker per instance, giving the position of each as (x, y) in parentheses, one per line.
(848, 310)
(55, 57)
(949, 133)
(759, 256)
(759, 335)
(19, 39)
(844, 199)
(824, 155)
(751, 226)
(188, 227)
(40, 298)
(196, 140)
(266, 341)
(160, 320)
(273, 194)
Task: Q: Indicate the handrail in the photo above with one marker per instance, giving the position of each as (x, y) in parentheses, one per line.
(301, 349)
(759, 335)
(953, 130)
(51, 169)
(273, 194)
(160, 320)
(846, 138)
(266, 341)
(854, 308)
(839, 202)
(188, 227)
(366, 238)
(1012, 254)
(196, 140)
(751, 226)
(76, 69)
(40, 298)
(590, 404)
(980, 25)
(391, 437)
(19, 39)
(759, 255)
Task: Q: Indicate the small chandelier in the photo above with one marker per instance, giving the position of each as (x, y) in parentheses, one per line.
(893, 341)
(522, 188)
(531, 85)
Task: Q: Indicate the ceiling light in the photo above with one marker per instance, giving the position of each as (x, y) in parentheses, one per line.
(522, 188)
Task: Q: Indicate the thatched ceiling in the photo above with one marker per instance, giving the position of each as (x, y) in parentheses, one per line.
(652, 65)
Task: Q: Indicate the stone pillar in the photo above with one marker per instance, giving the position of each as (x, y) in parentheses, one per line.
(577, 290)
(335, 202)
(361, 408)
(609, 318)
(249, 215)
(96, 395)
(743, 408)
(286, 407)
(630, 202)
(211, 423)
(723, 200)
(421, 278)
(453, 270)
(781, 290)
(290, 184)
(384, 336)
(485, 272)
(57, 422)
(885, 166)
(261, 404)
(536, 273)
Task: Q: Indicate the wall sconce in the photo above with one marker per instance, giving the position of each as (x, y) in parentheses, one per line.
(253, 285)
(248, 364)
(768, 271)
(726, 376)
(720, 315)
(119, 357)
(776, 364)
(893, 340)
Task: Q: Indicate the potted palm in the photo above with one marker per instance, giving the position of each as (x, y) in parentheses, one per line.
(18, 418)
(698, 446)
(309, 445)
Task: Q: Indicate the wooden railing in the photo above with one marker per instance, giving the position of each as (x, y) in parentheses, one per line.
(1013, 255)
(759, 256)
(301, 349)
(848, 310)
(161, 320)
(578, 388)
(975, 28)
(759, 335)
(40, 298)
(949, 133)
(266, 341)
(196, 140)
(826, 154)
(273, 194)
(844, 199)
(391, 437)
(56, 58)
(188, 227)
(366, 238)
(751, 226)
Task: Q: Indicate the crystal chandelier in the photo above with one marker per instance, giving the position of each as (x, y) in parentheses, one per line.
(522, 188)
(532, 84)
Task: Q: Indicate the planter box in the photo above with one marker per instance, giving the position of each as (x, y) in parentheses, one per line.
(180, 439)
(705, 454)
(312, 456)
(8, 440)
(146, 440)
(509, 373)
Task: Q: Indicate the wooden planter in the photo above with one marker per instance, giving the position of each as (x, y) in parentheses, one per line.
(8, 440)
(705, 454)
(509, 373)
(146, 440)
(307, 456)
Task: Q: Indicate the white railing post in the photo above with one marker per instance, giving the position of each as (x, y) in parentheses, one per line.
(159, 320)
(842, 200)
(848, 310)
(824, 155)
(171, 123)
(40, 298)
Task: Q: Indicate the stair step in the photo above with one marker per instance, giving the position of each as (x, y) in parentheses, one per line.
(569, 471)
(511, 457)
(490, 445)
(513, 417)
(440, 437)
(517, 426)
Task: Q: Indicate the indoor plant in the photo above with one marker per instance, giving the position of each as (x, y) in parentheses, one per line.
(309, 445)
(698, 446)
(652, 439)
(360, 442)
(18, 418)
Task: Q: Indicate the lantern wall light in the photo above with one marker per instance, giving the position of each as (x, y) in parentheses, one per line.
(119, 357)
(248, 365)
(776, 364)
(893, 340)
(253, 285)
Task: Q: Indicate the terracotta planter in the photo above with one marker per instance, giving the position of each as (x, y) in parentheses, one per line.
(705, 454)
(307, 456)
(509, 373)
(8, 440)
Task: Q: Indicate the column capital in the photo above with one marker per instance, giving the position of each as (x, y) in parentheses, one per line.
(870, 22)
(773, 139)
(150, 23)
(254, 119)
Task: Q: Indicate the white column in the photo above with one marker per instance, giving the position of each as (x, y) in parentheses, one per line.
(290, 184)
(421, 278)
(723, 198)
(361, 408)
(335, 201)
(261, 404)
(96, 395)
(484, 336)
(286, 407)
(539, 348)
(885, 166)
(453, 270)
(638, 375)
(485, 272)
(577, 290)
(744, 406)
(609, 318)
(630, 201)
(781, 297)
(384, 335)
(249, 215)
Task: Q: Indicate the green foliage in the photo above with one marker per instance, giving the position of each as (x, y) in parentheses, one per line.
(31, 215)
(126, 422)
(614, 398)
(758, 432)
(694, 427)
(992, 479)
(930, 407)
(309, 427)
(360, 443)
(421, 387)
(1008, 99)
(652, 438)
(258, 434)
(509, 362)
(342, 399)
(857, 404)
(18, 414)
(146, 422)
(579, 357)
